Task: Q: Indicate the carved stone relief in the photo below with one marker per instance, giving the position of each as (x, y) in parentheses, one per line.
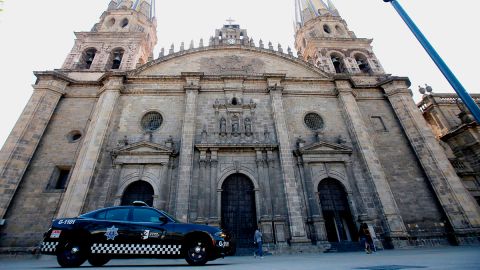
(232, 65)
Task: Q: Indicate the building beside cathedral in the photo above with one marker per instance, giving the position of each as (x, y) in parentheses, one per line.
(458, 133)
(233, 132)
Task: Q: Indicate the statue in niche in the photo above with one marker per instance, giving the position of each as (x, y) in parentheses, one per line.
(223, 125)
(235, 125)
(266, 134)
(204, 134)
(248, 126)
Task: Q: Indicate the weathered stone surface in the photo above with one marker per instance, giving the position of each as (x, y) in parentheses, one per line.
(182, 125)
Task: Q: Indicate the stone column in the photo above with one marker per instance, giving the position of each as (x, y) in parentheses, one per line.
(84, 169)
(113, 186)
(456, 201)
(314, 203)
(214, 218)
(371, 163)
(22, 142)
(187, 147)
(293, 200)
(202, 203)
(264, 181)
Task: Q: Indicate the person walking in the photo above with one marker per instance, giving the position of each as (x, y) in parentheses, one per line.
(365, 237)
(257, 240)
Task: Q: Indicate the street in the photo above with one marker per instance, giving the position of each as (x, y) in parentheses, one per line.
(438, 258)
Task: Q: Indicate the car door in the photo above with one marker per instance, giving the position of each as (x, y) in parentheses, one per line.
(112, 232)
(153, 230)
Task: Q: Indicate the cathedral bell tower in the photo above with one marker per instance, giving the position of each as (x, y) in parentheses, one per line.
(323, 39)
(123, 39)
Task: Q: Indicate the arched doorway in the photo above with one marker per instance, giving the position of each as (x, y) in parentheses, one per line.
(138, 191)
(238, 210)
(336, 211)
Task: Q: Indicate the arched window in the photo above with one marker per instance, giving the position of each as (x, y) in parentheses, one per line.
(327, 29)
(124, 23)
(116, 58)
(111, 22)
(234, 101)
(362, 63)
(87, 58)
(337, 61)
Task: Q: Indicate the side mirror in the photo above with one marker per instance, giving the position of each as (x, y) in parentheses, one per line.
(163, 220)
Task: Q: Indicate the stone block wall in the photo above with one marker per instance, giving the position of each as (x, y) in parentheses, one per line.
(405, 176)
(36, 202)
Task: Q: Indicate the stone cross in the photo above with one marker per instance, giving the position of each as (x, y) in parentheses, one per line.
(230, 20)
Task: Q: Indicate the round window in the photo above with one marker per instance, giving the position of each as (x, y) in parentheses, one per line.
(74, 136)
(313, 121)
(152, 121)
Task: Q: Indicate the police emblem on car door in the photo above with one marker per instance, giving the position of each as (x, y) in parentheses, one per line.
(111, 232)
(152, 229)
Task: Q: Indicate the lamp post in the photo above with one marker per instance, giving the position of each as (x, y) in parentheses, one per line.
(452, 79)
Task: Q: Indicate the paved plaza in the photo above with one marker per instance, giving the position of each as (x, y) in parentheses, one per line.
(439, 258)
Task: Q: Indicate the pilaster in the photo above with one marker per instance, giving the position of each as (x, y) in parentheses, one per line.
(87, 160)
(373, 168)
(192, 86)
(214, 219)
(458, 204)
(22, 142)
(293, 200)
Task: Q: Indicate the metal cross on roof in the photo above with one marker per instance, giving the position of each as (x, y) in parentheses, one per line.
(230, 20)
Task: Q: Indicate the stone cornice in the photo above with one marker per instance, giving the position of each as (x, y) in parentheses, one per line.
(221, 146)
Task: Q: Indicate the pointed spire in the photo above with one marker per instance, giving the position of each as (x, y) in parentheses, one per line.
(182, 46)
(191, 45)
(200, 44)
(147, 7)
(162, 53)
(332, 8)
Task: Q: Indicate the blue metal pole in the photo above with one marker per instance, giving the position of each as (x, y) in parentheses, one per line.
(452, 79)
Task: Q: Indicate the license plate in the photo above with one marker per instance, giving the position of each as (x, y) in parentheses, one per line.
(223, 244)
(55, 234)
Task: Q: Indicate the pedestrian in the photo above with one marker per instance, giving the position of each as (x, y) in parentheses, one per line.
(257, 240)
(365, 237)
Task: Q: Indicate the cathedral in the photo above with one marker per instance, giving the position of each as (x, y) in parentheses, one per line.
(236, 133)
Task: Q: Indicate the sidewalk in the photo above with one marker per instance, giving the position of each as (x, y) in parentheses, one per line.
(464, 258)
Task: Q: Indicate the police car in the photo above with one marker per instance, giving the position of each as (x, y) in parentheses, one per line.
(136, 231)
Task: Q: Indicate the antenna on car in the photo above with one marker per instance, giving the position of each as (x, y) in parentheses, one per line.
(139, 203)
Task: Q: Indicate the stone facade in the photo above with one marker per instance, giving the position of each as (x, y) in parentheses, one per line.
(316, 153)
(458, 133)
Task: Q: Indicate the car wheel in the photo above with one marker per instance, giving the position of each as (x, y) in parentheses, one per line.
(71, 254)
(197, 252)
(98, 260)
